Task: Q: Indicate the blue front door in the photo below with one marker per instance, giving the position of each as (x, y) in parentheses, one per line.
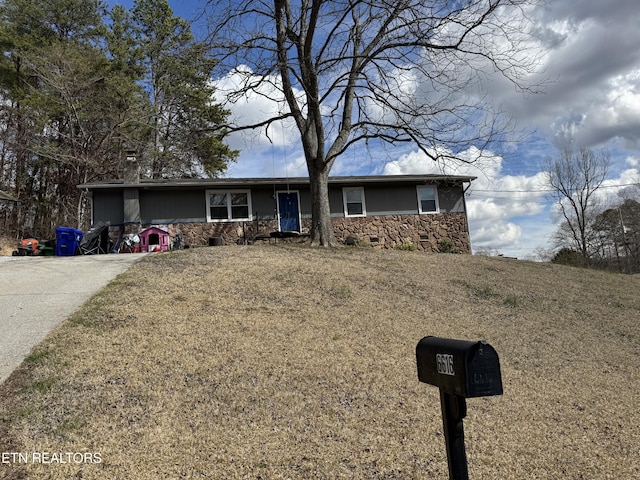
(289, 211)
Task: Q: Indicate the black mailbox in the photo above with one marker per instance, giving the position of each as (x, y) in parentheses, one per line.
(459, 367)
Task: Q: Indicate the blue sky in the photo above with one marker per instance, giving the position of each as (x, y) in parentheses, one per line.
(591, 55)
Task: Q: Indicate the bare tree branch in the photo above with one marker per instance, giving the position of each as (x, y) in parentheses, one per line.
(353, 71)
(574, 178)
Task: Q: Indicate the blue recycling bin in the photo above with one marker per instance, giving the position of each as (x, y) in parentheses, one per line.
(67, 241)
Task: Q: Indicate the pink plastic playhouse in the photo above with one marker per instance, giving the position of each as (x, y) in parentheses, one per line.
(154, 239)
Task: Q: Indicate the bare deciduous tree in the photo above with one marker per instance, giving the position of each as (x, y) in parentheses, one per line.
(363, 71)
(574, 178)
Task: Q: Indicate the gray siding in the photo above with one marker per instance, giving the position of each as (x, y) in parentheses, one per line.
(172, 206)
(131, 205)
(263, 204)
(305, 203)
(391, 200)
(188, 205)
(108, 207)
(398, 199)
(336, 203)
(451, 199)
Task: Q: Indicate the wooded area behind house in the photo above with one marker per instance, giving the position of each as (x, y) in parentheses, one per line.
(594, 231)
(80, 86)
(613, 240)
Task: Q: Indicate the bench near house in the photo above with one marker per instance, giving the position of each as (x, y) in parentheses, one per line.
(385, 211)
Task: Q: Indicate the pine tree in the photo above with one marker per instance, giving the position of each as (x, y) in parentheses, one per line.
(184, 140)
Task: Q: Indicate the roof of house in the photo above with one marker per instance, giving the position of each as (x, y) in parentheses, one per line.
(247, 182)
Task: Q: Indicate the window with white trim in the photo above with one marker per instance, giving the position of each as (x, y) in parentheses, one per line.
(354, 205)
(228, 205)
(428, 200)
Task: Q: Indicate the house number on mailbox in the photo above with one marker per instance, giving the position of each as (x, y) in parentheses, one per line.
(444, 363)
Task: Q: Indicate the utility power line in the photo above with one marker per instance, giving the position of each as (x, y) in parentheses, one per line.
(539, 190)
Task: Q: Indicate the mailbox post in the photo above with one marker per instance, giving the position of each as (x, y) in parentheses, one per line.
(460, 369)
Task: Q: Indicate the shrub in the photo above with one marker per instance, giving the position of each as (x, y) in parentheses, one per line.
(567, 256)
(512, 301)
(446, 245)
(406, 245)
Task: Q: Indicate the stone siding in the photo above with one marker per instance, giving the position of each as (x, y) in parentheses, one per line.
(231, 233)
(422, 232)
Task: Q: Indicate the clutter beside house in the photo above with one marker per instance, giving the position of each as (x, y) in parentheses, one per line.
(27, 247)
(67, 241)
(97, 240)
(129, 243)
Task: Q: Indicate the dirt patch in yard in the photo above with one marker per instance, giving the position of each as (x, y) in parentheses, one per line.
(292, 363)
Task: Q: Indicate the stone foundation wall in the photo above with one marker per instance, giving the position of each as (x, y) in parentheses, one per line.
(231, 233)
(422, 232)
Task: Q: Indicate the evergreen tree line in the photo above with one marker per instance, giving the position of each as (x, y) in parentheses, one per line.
(80, 85)
(618, 233)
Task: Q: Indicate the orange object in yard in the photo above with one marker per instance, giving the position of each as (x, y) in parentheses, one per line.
(27, 247)
(29, 244)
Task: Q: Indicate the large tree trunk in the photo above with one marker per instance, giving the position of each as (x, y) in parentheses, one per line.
(321, 227)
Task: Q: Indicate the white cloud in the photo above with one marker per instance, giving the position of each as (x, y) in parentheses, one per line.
(632, 161)
(593, 65)
(262, 101)
(268, 151)
(495, 235)
(614, 189)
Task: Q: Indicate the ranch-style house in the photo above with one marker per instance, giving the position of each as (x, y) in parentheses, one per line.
(387, 211)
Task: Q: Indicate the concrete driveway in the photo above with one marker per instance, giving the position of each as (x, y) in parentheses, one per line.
(38, 293)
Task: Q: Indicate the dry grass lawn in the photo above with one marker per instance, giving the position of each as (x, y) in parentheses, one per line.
(7, 246)
(283, 362)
